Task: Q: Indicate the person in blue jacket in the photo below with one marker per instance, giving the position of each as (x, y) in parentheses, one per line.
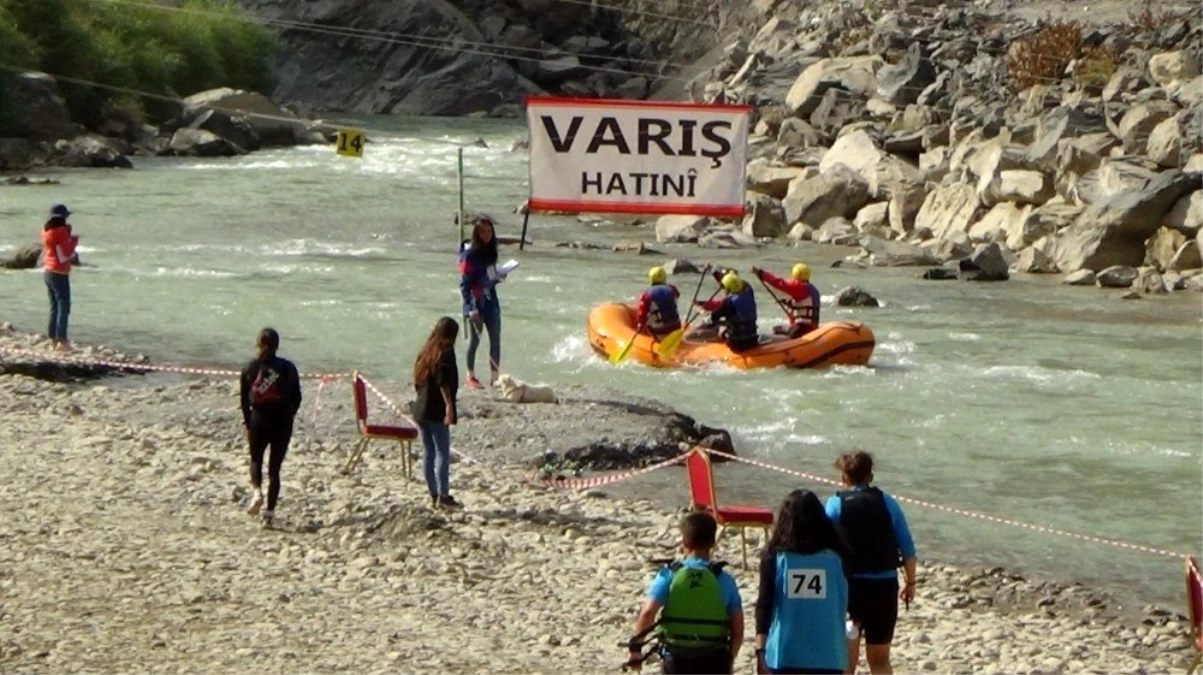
(657, 313)
(735, 314)
(478, 288)
(876, 528)
(803, 600)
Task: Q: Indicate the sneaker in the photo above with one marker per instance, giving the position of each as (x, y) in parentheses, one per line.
(474, 383)
(268, 521)
(434, 501)
(449, 503)
(256, 504)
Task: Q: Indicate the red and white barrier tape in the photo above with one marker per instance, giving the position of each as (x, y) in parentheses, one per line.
(607, 479)
(147, 367)
(963, 512)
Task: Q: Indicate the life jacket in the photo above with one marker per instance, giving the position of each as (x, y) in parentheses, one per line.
(662, 316)
(804, 310)
(866, 523)
(266, 388)
(695, 615)
(742, 326)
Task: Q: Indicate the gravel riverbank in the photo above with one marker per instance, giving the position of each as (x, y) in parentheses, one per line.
(125, 549)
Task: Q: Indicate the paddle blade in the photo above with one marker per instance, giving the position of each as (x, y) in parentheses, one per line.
(668, 346)
(621, 356)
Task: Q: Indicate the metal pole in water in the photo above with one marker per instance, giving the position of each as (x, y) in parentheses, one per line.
(522, 239)
(460, 172)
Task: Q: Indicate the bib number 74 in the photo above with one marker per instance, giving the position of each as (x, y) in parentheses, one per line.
(806, 584)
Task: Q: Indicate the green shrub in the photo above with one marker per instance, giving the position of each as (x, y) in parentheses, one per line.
(202, 45)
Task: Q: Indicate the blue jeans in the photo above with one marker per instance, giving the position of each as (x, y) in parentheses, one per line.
(59, 288)
(436, 439)
(492, 324)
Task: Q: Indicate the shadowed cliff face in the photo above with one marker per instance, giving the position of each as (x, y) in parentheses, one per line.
(441, 57)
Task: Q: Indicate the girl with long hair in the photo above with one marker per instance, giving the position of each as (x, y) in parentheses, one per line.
(478, 288)
(59, 253)
(270, 396)
(803, 597)
(436, 379)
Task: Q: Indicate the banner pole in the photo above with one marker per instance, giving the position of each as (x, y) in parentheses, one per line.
(522, 239)
(460, 174)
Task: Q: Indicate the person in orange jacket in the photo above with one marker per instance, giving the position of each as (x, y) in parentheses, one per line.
(802, 303)
(59, 244)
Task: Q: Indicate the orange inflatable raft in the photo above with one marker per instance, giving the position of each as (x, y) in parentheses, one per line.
(612, 325)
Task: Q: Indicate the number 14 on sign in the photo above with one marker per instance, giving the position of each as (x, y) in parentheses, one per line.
(351, 142)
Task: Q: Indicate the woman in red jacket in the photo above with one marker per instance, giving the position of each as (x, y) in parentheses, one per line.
(59, 244)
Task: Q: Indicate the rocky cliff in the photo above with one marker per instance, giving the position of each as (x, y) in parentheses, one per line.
(458, 57)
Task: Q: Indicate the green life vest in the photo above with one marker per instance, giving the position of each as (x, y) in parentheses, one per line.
(695, 615)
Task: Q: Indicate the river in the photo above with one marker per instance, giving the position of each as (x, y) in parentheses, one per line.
(1027, 400)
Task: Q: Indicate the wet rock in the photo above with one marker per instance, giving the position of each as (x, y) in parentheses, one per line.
(940, 274)
(855, 296)
(986, 263)
(25, 258)
(1080, 278)
(91, 151)
(1117, 276)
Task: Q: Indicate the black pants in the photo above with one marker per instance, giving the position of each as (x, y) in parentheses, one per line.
(276, 433)
(716, 663)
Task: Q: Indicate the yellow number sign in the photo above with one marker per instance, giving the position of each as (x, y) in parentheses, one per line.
(351, 142)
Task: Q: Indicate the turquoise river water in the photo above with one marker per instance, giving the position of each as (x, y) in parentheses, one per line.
(1027, 400)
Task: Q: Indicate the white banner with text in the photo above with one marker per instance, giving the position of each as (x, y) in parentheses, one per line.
(615, 156)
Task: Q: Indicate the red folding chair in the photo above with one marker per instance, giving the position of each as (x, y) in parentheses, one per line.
(702, 496)
(1194, 595)
(373, 432)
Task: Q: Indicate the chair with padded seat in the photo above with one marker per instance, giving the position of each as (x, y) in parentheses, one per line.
(702, 496)
(374, 432)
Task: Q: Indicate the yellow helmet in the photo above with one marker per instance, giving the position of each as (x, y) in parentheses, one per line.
(801, 272)
(732, 282)
(657, 275)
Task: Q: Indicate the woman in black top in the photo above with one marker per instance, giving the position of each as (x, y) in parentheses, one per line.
(270, 397)
(436, 379)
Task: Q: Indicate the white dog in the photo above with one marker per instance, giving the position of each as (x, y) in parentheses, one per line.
(521, 392)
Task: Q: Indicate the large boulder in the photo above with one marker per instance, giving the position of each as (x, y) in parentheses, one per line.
(1043, 221)
(1187, 257)
(1113, 231)
(838, 193)
(1162, 246)
(838, 231)
(858, 151)
(856, 74)
(771, 180)
(1170, 68)
(25, 258)
(273, 125)
(1059, 124)
(1117, 276)
(1187, 214)
(678, 229)
(1164, 145)
(904, 205)
(1139, 122)
(765, 217)
(18, 154)
(1032, 260)
(948, 209)
(883, 253)
(855, 296)
(236, 130)
(1016, 185)
(200, 143)
(999, 223)
(92, 151)
(986, 263)
(797, 133)
(37, 111)
(901, 83)
(873, 219)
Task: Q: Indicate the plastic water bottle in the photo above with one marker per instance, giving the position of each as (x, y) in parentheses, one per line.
(852, 631)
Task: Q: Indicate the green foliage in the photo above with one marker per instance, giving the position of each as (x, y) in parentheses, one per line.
(181, 48)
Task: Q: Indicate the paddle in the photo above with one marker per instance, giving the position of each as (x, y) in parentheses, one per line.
(621, 356)
(668, 346)
(779, 301)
